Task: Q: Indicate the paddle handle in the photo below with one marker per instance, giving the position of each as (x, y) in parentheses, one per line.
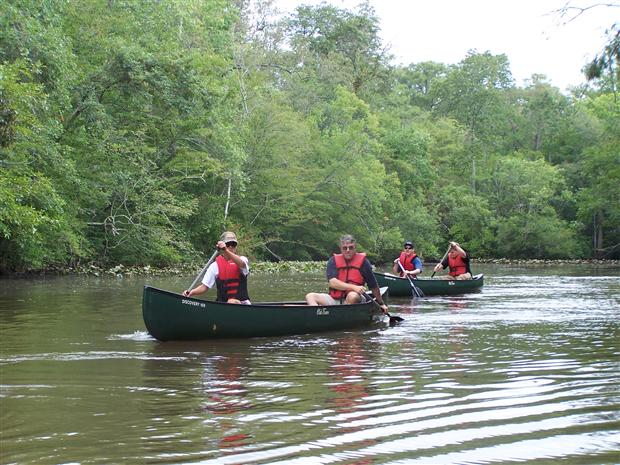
(204, 270)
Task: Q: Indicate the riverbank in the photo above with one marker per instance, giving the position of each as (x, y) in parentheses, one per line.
(276, 267)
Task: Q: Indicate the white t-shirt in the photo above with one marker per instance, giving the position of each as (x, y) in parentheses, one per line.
(209, 278)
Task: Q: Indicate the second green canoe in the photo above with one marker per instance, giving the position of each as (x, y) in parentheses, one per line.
(400, 287)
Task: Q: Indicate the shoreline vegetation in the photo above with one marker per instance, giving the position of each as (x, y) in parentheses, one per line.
(274, 267)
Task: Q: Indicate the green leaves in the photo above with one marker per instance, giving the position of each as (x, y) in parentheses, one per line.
(135, 132)
(598, 201)
(34, 228)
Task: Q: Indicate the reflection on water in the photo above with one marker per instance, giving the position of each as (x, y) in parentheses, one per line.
(525, 371)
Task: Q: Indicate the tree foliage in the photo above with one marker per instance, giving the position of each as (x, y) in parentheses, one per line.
(135, 132)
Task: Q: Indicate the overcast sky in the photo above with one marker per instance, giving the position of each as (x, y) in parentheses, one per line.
(535, 39)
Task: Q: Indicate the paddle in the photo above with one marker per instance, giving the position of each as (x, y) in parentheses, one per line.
(203, 271)
(416, 291)
(393, 319)
(443, 258)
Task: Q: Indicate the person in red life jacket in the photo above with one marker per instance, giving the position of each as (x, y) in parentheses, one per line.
(410, 262)
(457, 261)
(347, 272)
(229, 273)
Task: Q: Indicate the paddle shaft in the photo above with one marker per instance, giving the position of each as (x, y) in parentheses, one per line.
(443, 258)
(416, 291)
(204, 270)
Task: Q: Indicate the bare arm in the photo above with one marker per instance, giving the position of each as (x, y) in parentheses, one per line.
(457, 248)
(200, 289)
(377, 293)
(228, 255)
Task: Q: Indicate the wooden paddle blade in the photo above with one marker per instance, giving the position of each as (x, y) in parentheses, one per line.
(394, 320)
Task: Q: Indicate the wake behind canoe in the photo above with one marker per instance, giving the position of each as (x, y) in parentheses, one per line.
(400, 287)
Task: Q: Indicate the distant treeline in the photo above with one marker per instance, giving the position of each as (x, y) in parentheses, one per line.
(135, 132)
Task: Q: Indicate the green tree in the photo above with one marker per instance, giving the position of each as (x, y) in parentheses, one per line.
(474, 93)
(605, 67)
(356, 193)
(38, 224)
(599, 198)
(417, 82)
(466, 218)
(521, 191)
(543, 110)
(342, 46)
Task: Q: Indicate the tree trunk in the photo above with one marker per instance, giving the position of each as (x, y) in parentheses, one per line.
(597, 234)
(473, 175)
(537, 139)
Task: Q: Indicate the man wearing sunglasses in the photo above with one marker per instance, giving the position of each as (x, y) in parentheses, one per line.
(347, 272)
(411, 263)
(229, 273)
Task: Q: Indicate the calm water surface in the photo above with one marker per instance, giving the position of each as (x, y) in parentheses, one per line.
(526, 371)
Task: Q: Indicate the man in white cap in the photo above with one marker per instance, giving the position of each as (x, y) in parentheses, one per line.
(229, 272)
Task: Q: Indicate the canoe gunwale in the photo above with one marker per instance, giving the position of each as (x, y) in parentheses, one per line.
(291, 303)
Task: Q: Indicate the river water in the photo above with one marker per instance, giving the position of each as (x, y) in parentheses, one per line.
(527, 371)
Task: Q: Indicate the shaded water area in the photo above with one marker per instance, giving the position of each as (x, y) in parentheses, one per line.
(527, 371)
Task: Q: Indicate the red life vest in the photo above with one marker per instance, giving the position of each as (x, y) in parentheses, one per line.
(231, 282)
(457, 265)
(407, 261)
(348, 272)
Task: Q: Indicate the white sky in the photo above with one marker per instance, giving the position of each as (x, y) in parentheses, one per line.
(536, 40)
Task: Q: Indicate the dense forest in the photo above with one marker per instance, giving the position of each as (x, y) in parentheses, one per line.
(135, 132)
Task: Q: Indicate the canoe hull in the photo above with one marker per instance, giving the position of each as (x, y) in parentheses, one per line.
(170, 316)
(400, 287)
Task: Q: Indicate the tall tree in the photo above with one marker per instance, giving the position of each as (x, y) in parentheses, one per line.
(474, 93)
(38, 225)
(348, 43)
(417, 82)
(599, 198)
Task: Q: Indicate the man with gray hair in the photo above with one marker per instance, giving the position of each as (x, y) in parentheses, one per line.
(347, 272)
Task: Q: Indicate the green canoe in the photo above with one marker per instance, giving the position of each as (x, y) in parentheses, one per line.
(398, 286)
(170, 316)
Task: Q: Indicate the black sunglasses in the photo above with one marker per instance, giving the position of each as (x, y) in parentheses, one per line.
(231, 244)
